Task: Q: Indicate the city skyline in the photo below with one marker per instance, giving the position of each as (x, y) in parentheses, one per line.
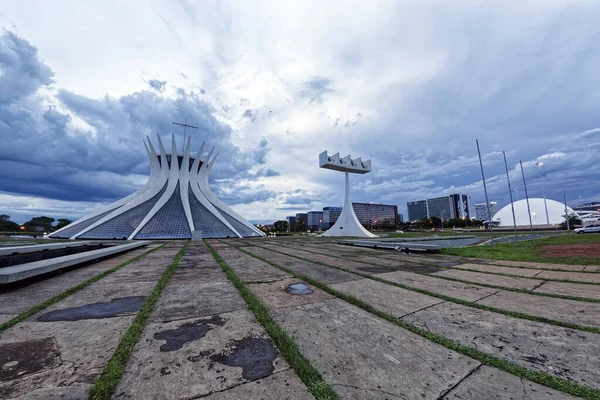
(78, 99)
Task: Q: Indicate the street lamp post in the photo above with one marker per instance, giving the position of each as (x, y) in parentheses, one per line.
(442, 218)
(539, 165)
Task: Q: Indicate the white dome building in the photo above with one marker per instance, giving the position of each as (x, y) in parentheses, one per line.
(556, 212)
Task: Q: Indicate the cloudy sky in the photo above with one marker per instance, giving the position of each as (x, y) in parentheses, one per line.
(409, 84)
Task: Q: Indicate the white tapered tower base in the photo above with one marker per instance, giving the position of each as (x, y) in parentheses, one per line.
(347, 224)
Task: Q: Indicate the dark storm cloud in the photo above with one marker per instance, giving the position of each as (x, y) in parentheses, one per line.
(47, 152)
(315, 88)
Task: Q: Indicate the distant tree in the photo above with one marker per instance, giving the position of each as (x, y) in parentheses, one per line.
(62, 222)
(573, 220)
(300, 226)
(281, 226)
(6, 225)
(44, 222)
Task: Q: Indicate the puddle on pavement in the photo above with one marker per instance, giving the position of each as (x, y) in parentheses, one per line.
(254, 355)
(447, 263)
(300, 288)
(113, 308)
(377, 270)
(23, 358)
(188, 332)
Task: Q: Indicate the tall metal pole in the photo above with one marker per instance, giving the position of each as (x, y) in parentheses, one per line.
(512, 206)
(539, 165)
(487, 202)
(526, 197)
(567, 216)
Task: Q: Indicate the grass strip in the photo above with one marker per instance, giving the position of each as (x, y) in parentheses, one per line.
(509, 289)
(35, 309)
(286, 345)
(551, 381)
(471, 304)
(107, 383)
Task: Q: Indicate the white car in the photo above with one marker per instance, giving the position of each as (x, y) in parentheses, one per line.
(588, 229)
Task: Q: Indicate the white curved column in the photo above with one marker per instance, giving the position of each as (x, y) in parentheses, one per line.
(194, 180)
(184, 184)
(173, 179)
(205, 188)
(347, 224)
(154, 174)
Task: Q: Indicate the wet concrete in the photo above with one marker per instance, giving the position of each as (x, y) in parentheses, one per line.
(254, 355)
(374, 270)
(189, 331)
(562, 352)
(491, 384)
(113, 308)
(194, 370)
(18, 359)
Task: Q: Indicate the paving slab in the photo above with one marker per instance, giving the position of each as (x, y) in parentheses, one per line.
(81, 348)
(249, 268)
(275, 295)
(282, 385)
(365, 357)
(181, 301)
(391, 299)
(491, 384)
(535, 265)
(500, 270)
(570, 289)
(4, 318)
(463, 291)
(592, 268)
(73, 392)
(318, 272)
(572, 276)
(572, 311)
(562, 352)
(499, 280)
(18, 299)
(199, 356)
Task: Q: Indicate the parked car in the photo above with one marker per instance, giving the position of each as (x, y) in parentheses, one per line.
(588, 229)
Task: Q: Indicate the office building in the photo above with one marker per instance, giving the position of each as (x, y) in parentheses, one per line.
(376, 216)
(481, 212)
(330, 216)
(416, 210)
(291, 220)
(314, 220)
(446, 207)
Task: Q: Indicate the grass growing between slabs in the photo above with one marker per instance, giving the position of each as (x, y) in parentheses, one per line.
(542, 378)
(530, 250)
(286, 345)
(34, 310)
(489, 285)
(107, 383)
(471, 304)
